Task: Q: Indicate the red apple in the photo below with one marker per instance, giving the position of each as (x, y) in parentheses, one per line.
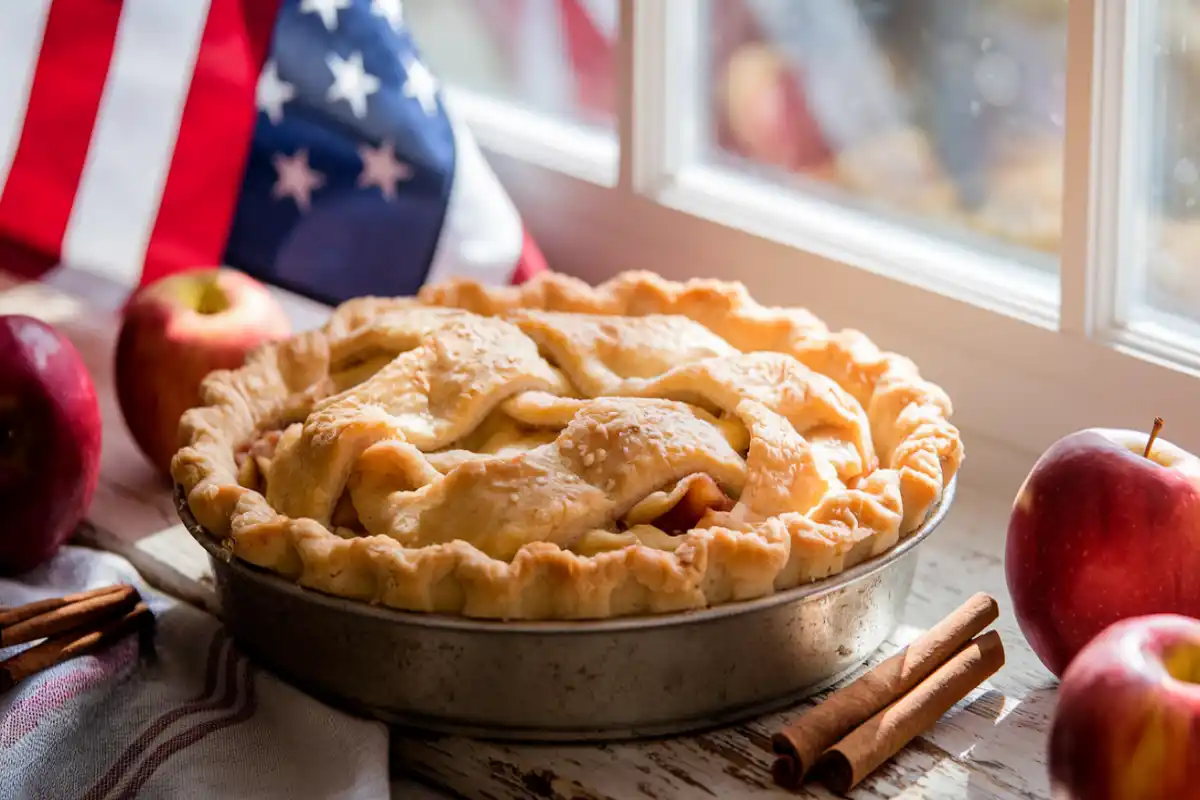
(177, 330)
(49, 442)
(1100, 532)
(1127, 723)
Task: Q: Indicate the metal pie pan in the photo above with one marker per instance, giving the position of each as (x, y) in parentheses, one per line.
(601, 680)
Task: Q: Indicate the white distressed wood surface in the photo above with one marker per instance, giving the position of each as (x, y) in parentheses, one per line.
(990, 746)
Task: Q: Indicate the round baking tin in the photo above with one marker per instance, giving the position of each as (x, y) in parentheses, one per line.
(611, 679)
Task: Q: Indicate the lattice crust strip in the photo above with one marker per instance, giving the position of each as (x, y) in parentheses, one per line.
(563, 451)
(909, 416)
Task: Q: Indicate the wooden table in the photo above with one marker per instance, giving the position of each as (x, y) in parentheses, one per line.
(992, 745)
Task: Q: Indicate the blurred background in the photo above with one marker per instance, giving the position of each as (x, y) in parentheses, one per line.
(944, 114)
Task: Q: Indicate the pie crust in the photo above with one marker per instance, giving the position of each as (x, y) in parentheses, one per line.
(562, 451)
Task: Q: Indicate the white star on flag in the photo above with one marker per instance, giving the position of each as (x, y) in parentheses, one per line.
(327, 9)
(297, 180)
(381, 169)
(420, 84)
(389, 10)
(272, 93)
(351, 82)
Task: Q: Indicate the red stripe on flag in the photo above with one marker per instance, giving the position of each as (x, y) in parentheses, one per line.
(531, 261)
(64, 98)
(215, 130)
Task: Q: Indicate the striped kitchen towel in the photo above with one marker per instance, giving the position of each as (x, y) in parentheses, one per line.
(303, 141)
(195, 719)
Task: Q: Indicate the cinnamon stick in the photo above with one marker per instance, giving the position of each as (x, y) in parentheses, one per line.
(71, 644)
(11, 616)
(800, 744)
(845, 764)
(75, 615)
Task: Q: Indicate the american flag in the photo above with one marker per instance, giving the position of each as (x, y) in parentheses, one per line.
(303, 141)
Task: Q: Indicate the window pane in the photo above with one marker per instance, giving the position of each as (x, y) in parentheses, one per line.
(1172, 161)
(942, 113)
(554, 56)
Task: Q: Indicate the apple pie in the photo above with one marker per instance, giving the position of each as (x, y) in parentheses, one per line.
(562, 451)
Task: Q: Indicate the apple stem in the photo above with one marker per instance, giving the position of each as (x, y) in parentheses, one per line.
(1154, 431)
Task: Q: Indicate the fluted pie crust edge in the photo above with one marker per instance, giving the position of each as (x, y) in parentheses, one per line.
(899, 452)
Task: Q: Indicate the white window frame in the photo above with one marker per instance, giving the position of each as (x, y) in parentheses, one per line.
(1023, 367)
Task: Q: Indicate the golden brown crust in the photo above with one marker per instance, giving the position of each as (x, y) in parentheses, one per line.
(909, 416)
(505, 453)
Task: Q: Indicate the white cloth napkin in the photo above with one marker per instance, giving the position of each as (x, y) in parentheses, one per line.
(196, 719)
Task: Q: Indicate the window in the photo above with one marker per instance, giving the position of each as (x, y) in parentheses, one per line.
(1171, 158)
(1008, 191)
(942, 113)
(553, 57)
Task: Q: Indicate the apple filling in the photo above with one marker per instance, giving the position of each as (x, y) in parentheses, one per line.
(345, 519)
(680, 508)
(253, 460)
(661, 518)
